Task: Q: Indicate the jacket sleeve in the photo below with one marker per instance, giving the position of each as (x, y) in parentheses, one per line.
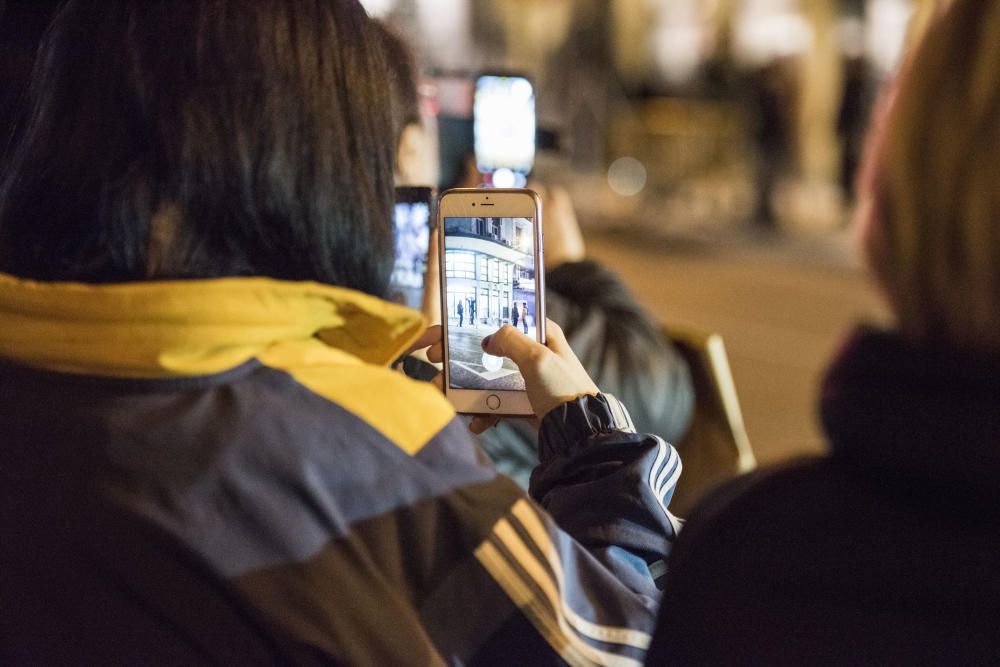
(609, 487)
(578, 566)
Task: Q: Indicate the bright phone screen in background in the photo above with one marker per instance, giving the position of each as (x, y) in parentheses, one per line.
(411, 231)
(489, 281)
(504, 123)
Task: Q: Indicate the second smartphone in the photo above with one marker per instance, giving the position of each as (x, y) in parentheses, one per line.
(491, 275)
(412, 222)
(504, 125)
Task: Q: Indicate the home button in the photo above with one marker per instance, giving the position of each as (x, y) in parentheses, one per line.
(493, 401)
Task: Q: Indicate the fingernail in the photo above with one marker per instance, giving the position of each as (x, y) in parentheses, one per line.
(486, 341)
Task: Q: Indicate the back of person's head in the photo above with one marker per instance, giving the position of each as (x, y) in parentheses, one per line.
(22, 23)
(402, 66)
(932, 175)
(204, 138)
(416, 156)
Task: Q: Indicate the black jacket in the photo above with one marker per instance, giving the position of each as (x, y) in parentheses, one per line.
(885, 552)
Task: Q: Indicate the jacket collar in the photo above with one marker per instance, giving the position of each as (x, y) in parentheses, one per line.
(928, 416)
(197, 327)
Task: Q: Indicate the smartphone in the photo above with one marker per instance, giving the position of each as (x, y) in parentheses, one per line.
(491, 275)
(504, 125)
(412, 220)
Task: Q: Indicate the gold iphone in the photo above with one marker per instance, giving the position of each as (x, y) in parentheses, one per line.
(491, 275)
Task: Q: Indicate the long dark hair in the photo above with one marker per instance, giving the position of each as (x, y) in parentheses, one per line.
(204, 138)
(22, 23)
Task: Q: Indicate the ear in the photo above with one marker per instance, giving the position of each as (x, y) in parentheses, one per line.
(412, 156)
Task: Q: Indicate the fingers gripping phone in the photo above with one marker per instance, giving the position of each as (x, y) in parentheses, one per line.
(412, 222)
(491, 275)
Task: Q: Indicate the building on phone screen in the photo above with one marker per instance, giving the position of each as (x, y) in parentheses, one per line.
(490, 271)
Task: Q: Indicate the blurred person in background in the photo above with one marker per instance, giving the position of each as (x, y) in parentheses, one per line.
(852, 120)
(771, 91)
(415, 164)
(204, 457)
(616, 339)
(886, 550)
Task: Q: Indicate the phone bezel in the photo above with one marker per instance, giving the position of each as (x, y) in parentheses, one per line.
(476, 122)
(415, 194)
(505, 203)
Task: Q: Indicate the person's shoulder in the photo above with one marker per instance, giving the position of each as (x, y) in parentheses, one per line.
(407, 412)
(761, 508)
(777, 567)
(763, 484)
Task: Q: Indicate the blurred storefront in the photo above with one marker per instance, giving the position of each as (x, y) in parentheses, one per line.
(684, 125)
(679, 112)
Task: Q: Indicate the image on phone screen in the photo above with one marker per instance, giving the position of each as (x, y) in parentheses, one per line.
(411, 229)
(489, 281)
(504, 124)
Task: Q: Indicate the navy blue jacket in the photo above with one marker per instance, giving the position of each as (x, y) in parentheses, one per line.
(301, 503)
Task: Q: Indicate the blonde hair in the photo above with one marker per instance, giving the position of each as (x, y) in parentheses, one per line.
(934, 174)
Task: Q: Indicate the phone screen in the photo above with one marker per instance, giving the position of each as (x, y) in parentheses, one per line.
(411, 230)
(504, 123)
(489, 281)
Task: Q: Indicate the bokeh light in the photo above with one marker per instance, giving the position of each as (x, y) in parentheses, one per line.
(627, 176)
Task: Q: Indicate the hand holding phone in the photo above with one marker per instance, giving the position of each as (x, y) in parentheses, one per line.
(552, 372)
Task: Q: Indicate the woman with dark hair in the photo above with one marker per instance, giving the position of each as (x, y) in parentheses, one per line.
(204, 455)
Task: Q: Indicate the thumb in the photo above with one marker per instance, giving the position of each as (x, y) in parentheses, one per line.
(429, 337)
(511, 343)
